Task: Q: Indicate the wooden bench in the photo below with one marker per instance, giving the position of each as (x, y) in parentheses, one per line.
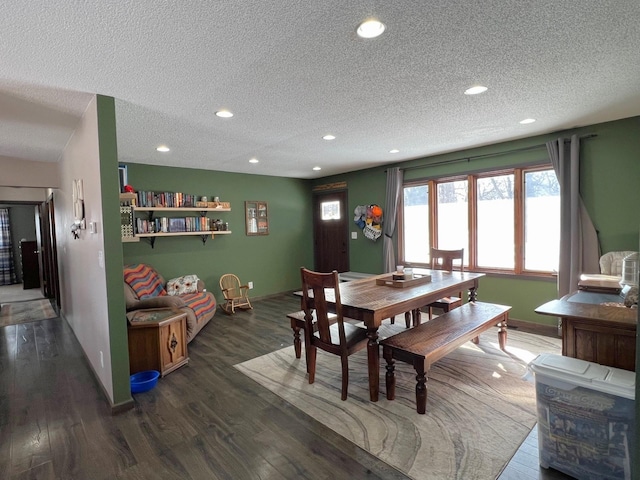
(424, 344)
(297, 323)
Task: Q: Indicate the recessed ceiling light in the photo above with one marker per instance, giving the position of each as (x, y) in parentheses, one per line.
(254, 160)
(370, 28)
(224, 114)
(163, 148)
(527, 120)
(317, 168)
(329, 137)
(395, 150)
(475, 90)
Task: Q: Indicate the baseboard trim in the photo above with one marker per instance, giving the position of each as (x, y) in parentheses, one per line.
(536, 328)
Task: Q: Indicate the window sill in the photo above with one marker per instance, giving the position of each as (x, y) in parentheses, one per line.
(523, 276)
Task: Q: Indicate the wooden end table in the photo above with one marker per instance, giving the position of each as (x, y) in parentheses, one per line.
(157, 340)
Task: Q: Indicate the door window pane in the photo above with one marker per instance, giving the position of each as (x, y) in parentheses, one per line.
(416, 224)
(542, 221)
(330, 210)
(453, 216)
(496, 233)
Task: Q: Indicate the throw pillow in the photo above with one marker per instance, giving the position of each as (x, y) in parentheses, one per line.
(143, 280)
(183, 285)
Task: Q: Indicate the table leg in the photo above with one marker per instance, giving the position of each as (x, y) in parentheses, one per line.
(473, 294)
(417, 317)
(502, 334)
(373, 361)
(407, 318)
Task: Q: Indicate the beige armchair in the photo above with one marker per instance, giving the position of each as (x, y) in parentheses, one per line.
(611, 262)
(608, 280)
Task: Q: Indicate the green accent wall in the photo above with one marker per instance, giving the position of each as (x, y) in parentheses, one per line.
(272, 262)
(610, 175)
(364, 187)
(524, 295)
(610, 182)
(110, 186)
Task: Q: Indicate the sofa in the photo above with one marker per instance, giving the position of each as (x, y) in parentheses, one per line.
(145, 288)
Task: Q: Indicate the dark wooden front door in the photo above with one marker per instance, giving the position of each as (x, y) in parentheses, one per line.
(331, 232)
(30, 268)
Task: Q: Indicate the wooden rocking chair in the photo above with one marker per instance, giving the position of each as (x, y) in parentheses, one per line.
(235, 295)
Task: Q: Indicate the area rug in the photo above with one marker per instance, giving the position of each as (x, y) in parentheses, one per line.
(479, 407)
(22, 312)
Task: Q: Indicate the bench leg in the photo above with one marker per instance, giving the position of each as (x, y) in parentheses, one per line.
(421, 390)
(390, 377)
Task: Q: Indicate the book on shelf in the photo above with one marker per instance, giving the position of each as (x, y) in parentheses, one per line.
(149, 199)
(174, 225)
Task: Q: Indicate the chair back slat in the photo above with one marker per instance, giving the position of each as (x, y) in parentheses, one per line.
(444, 259)
(316, 284)
(230, 285)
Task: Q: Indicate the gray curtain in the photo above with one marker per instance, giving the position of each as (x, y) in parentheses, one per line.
(394, 187)
(7, 268)
(579, 249)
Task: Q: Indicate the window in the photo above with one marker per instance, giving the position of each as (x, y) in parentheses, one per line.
(416, 232)
(507, 220)
(495, 231)
(542, 221)
(452, 216)
(330, 210)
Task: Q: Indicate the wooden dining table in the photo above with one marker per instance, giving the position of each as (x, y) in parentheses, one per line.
(371, 303)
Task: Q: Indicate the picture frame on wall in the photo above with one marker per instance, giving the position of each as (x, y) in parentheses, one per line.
(122, 175)
(256, 218)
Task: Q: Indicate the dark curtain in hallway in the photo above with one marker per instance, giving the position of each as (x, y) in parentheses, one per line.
(7, 267)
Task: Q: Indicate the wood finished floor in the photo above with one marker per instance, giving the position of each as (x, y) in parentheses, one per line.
(206, 422)
(17, 293)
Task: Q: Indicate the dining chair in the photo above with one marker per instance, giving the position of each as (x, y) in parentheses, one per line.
(340, 338)
(444, 260)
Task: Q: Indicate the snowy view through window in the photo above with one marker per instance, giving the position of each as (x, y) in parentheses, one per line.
(495, 205)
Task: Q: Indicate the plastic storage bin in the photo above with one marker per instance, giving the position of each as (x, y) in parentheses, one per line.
(585, 417)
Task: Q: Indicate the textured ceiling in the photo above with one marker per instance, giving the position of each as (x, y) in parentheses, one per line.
(293, 71)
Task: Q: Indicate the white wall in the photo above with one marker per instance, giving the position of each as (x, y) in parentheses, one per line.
(9, 194)
(27, 173)
(82, 275)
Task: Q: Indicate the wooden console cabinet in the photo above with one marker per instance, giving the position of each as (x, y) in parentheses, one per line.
(596, 332)
(157, 340)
